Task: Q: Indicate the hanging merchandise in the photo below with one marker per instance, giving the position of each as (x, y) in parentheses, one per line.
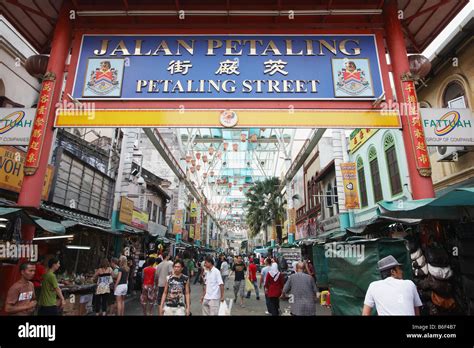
(235, 147)
(226, 145)
(211, 150)
(204, 158)
(193, 162)
(204, 175)
(241, 189)
(188, 158)
(440, 273)
(198, 155)
(198, 167)
(211, 173)
(253, 138)
(192, 169)
(219, 155)
(243, 137)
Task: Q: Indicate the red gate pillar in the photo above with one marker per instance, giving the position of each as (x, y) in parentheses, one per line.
(421, 186)
(30, 194)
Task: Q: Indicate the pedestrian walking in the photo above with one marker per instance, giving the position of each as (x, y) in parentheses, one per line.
(392, 295)
(224, 270)
(149, 291)
(273, 289)
(199, 271)
(103, 277)
(188, 265)
(239, 269)
(230, 261)
(50, 290)
(253, 277)
(38, 277)
(176, 299)
(213, 289)
(164, 269)
(112, 299)
(21, 298)
(302, 289)
(264, 272)
(121, 285)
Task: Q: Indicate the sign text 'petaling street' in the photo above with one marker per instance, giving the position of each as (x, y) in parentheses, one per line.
(227, 67)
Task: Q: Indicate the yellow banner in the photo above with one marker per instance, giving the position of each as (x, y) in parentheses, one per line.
(314, 118)
(12, 163)
(178, 221)
(191, 231)
(349, 179)
(140, 219)
(292, 222)
(197, 232)
(193, 210)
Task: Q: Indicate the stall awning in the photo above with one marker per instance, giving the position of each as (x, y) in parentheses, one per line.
(329, 235)
(49, 226)
(377, 223)
(451, 206)
(132, 230)
(8, 210)
(72, 223)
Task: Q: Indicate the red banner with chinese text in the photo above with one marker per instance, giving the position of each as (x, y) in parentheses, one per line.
(41, 121)
(417, 134)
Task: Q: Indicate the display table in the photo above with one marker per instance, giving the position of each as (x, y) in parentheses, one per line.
(78, 298)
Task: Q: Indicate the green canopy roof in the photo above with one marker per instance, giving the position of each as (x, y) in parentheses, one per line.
(49, 226)
(452, 205)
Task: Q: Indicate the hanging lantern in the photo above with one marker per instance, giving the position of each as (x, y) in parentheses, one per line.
(243, 137)
(198, 167)
(226, 145)
(204, 175)
(219, 155)
(253, 138)
(211, 173)
(193, 162)
(235, 147)
(230, 185)
(188, 158)
(192, 169)
(204, 158)
(211, 150)
(198, 155)
(235, 182)
(241, 189)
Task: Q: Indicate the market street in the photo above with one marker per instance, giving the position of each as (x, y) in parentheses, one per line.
(252, 306)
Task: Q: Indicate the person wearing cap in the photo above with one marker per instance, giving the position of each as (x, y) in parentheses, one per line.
(392, 295)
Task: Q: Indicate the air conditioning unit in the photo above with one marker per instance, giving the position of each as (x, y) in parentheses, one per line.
(450, 153)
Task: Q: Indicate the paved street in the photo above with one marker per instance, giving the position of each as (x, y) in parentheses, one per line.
(252, 306)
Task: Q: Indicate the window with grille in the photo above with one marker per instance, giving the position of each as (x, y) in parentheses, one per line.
(392, 165)
(375, 173)
(362, 185)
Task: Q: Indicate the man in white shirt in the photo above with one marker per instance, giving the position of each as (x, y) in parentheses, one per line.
(213, 289)
(163, 270)
(392, 295)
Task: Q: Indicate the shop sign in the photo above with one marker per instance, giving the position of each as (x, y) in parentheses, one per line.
(193, 210)
(417, 136)
(292, 220)
(16, 126)
(330, 224)
(197, 232)
(156, 229)
(191, 231)
(349, 180)
(228, 67)
(140, 219)
(12, 163)
(291, 255)
(359, 136)
(126, 211)
(178, 222)
(448, 127)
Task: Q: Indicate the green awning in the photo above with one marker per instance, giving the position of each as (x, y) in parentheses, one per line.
(452, 205)
(378, 223)
(8, 210)
(330, 235)
(49, 226)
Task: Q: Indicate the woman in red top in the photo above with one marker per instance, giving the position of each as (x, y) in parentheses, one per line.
(149, 293)
(274, 283)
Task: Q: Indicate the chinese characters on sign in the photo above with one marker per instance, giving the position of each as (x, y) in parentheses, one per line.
(416, 128)
(178, 222)
(40, 123)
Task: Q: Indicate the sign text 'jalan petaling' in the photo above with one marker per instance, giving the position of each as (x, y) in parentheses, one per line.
(249, 67)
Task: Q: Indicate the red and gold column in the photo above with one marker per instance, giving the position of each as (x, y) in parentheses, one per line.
(413, 135)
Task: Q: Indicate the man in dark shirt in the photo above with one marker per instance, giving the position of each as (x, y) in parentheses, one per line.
(239, 269)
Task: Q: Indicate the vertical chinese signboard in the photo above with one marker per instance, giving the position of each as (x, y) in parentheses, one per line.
(197, 229)
(40, 124)
(349, 180)
(415, 125)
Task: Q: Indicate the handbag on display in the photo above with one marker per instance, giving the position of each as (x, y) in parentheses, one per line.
(416, 254)
(442, 302)
(437, 257)
(421, 272)
(441, 273)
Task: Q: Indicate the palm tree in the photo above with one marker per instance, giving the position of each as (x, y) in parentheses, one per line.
(265, 207)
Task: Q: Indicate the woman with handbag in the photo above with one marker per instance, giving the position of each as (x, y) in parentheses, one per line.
(103, 276)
